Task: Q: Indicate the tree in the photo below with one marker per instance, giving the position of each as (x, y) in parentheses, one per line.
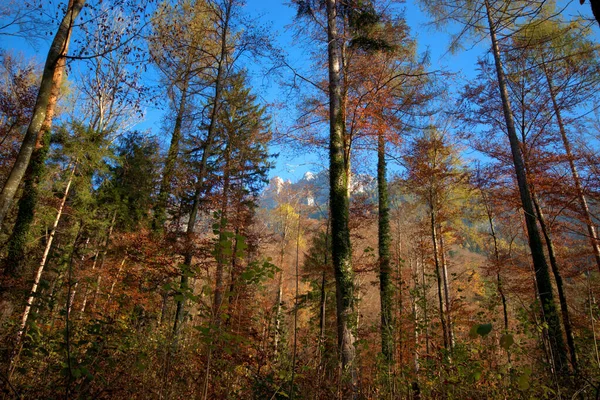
(435, 175)
(182, 52)
(18, 86)
(134, 180)
(338, 194)
(494, 19)
(113, 89)
(222, 69)
(568, 63)
(45, 98)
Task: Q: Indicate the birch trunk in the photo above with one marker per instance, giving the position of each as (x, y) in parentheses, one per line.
(42, 265)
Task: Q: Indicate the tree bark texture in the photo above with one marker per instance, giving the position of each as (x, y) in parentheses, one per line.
(386, 289)
(339, 201)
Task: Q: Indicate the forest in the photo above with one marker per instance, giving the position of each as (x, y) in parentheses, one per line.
(229, 199)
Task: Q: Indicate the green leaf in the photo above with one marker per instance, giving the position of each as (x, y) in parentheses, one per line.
(506, 341)
(524, 379)
(484, 329)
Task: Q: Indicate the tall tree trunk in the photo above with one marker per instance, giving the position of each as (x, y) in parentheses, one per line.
(425, 310)
(296, 293)
(585, 210)
(232, 296)
(446, 287)
(562, 297)
(114, 282)
(438, 277)
(221, 251)
(544, 285)
(103, 259)
(415, 313)
(322, 312)
(323, 300)
(87, 289)
(279, 299)
(40, 270)
(160, 210)
(206, 153)
(499, 284)
(74, 292)
(55, 54)
(591, 307)
(339, 202)
(35, 170)
(386, 290)
(399, 296)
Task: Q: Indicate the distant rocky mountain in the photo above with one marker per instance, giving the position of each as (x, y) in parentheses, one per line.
(313, 189)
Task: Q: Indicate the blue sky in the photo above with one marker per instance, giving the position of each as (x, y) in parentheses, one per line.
(280, 15)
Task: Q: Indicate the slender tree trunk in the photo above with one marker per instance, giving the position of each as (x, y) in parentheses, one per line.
(55, 54)
(40, 270)
(438, 276)
(339, 202)
(415, 314)
(425, 310)
(446, 288)
(592, 304)
(585, 210)
(67, 313)
(232, 296)
(497, 262)
(562, 297)
(323, 301)
(399, 341)
(103, 259)
(295, 344)
(278, 304)
(160, 210)
(114, 283)
(322, 313)
(544, 286)
(386, 290)
(74, 292)
(87, 289)
(218, 295)
(218, 299)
